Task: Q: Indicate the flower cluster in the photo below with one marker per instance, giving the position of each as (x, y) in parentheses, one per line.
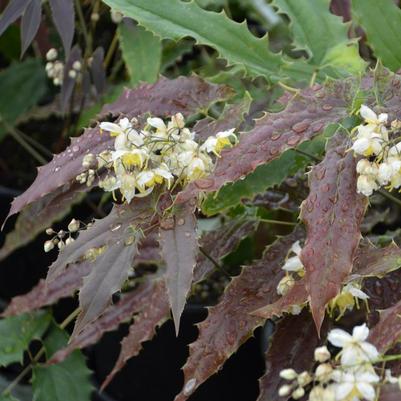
(346, 300)
(62, 237)
(350, 376)
(160, 154)
(381, 165)
(55, 68)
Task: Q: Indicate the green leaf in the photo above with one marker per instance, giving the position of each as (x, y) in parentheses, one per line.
(17, 332)
(232, 40)
(264, 177)
(21, 87)
(141, 51)
(381, 20)
(7, 397)
(321, 34)
(66, 381)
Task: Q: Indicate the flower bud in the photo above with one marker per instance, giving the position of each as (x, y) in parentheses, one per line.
(323, 372)
(89, 160)
(298, 393)
(69, 241)
(51, 54)
(95, 17)
(322, 354)
(72, 74)
(73, 226)
(288, 374)
(50, 231)
(304, 379)
(48, 246)
(61, 245)
(77, 65)
(284, 390)
(61, 233)
(285, 284)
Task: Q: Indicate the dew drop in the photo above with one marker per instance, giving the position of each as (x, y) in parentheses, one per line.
(300, 127)
(189, 386)
(187, 234)
(180, 222)
(57, 169)
(116, 227)
(75, 148)
(327, 107)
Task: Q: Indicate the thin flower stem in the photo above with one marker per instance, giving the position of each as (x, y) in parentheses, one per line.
(111, 50)
(279, 222)
(40, 353)
(35, 143)
(81, 18)
(216, 264)
(389, 196)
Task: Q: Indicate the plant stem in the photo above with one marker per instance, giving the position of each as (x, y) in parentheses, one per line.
(216, 264)
(88, 41)
(40, 353)
(390, 197)
(279, 222)
(301, 152)
(111, 50)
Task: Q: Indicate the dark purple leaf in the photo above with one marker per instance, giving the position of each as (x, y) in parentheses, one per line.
(64, 20)
(179, 247)
(14, 10)
(97, 71)
(30, 23)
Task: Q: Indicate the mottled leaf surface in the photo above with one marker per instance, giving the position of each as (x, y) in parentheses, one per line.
(30, 23)
(229, 323)
(304, 117)
(179, 246)
(166, 97)
(292, 346)
(332, 214)
(154, 313)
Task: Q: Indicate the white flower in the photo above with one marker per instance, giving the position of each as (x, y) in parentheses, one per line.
(196, 169)
(294, 264)
(319, 393)
(366, 184)
(354, 347)
(215, 144)
(323, 372)
(368, 146)
(371, 117)
(285, 284)
(288, 374)
(322, 354)
(52, 54)
(73, 226)
(130, 158)
(122, 127)
(357, 384)
(364, 166)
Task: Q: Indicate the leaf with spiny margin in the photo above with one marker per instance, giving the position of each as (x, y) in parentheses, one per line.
(264, 177)
(229, 323)
(323, 35)
(16, 332)
(186, 95)
(232, 40)
(36, 217)
(305, 116)
(154, 313)
(332, 213)
(30, 79)
(141, 51)
(381, 21)
(179, 248)
(292, 346)
(109, 272)
(66, 381)
(387, 332)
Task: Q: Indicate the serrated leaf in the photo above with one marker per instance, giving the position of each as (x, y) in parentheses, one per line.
(232, 40)
(30, 23)
(305, 116)
(154, 313)
(37, 217)
(190, 95)
(14, 10)
(332, 214)
(323, 35)
(141, 51)
(66, 381)
(229, 323)
(179, 247)
(381, 21)
(30, 79)
(292, 346)
(64, 19)
(17, 332)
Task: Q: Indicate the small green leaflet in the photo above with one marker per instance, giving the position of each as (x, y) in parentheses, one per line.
(66, 381)
(17, 332)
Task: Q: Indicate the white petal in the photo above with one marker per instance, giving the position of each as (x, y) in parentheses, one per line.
(156, 122)
(342, 390)
(293, 264)
(351, 355)
(124, 123)
(367, 113)
(370, 351)
(366, 390)
(383, 117)
(296, 248)
(361, 145)
(339, 337)
(360, 333)
(120, 143)
(111, 127)
(357, 293)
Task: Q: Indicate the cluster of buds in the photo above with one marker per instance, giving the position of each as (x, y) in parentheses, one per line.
(61, 238)
(350, 376)
(346, 300)
(158, 155)
(377, 142)
(55, 68)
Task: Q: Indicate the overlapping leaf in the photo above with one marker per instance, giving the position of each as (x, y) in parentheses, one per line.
(166, 97)
(30, 23)
(332, 214)
(229, 324)
(303, 118)
(179, 247)
(292, 346)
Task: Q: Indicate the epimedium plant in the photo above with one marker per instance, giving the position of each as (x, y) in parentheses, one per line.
(170, 152)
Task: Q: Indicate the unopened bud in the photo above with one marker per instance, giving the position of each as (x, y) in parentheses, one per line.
(69, 241)
(322, 354)
(49, 231)
(298, 393)
(89, 160)
(72, 74)
(288, 374)
(323, 372)
(284, 390)
(95, 17)
(51, 54)
(61, 233)
(61, 245)
(304, 379)
(285, 284)
(48, 246)
(57, 81)
(77, 65)
(73, 226)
